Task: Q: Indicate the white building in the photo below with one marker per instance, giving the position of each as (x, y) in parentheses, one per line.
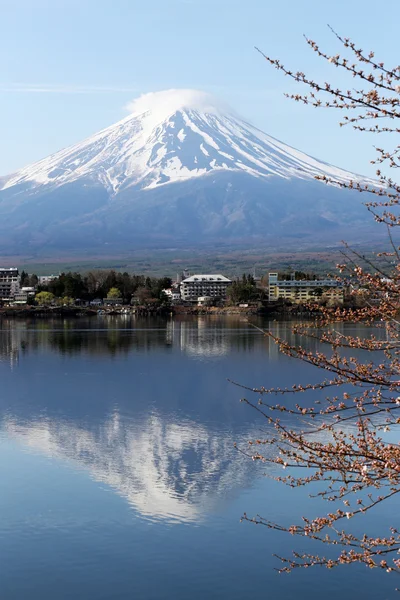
(196, 286)
(24, 294)
(173, 294)
(9, 283)
(204, 301)
(29, 290)
(46, 279)
(20, 298)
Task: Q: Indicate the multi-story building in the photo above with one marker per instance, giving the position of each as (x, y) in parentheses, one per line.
(196, 286)
(23, 295)
(46, 279)
(9, 283)
(300, 291)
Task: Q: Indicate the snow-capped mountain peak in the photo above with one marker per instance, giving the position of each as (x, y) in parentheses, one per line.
(181, 170)
(172, 136)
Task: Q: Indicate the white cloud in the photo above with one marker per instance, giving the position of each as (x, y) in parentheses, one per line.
(176, 99)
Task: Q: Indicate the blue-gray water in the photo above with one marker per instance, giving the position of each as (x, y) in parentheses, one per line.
(118, 475)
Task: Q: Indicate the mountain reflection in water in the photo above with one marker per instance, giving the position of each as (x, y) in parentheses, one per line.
(156, 427)
(119, 474)
(161, 443)
(172, 471)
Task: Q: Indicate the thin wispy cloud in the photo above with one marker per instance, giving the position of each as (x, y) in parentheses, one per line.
(50, 88)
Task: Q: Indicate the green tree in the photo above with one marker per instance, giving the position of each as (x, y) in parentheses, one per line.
(159, 285)
(44, 298)
(24, 279)
(114, 293)
(67, 301)
(33, 280)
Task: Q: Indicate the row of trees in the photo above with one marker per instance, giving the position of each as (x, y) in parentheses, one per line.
(103, 283)
(244, 290)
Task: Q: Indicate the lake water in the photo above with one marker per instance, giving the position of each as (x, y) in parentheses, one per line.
(119, 478)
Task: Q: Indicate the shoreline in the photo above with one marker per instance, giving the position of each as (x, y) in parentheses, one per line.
(77, 312)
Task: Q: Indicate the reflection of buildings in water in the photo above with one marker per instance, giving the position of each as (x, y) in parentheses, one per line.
(284, 330)
(12, 339)
(166, 470)
(199, 338)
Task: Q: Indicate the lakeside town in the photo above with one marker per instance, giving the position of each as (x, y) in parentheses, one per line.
(113, 292)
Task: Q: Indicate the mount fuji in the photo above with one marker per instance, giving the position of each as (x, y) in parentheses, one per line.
(182, 170)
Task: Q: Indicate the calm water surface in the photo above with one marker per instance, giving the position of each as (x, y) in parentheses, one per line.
(118, 474)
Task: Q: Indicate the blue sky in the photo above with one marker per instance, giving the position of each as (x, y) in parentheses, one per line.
(69, 68)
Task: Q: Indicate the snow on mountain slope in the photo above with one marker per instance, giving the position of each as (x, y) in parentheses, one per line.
(172, 136)
(183, 171)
